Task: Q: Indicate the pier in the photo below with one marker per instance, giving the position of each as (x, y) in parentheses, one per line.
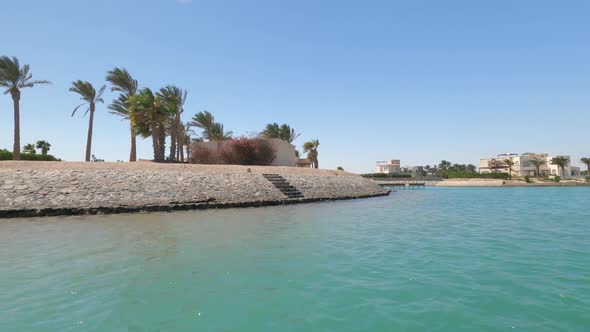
(401, 183)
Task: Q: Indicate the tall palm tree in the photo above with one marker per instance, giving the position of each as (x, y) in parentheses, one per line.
(311, 148)
(149, 117)
(124, 83)
(538, 162)
(13, 77)
(44, 146)
(29, 148)
(586, 161)
(89, 95)
(562, 162)
(509, 162)
(205, 121)
(173, 97)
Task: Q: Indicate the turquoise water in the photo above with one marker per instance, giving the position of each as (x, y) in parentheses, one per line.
(438, 259)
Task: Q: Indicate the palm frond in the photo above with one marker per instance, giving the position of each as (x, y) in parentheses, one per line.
(77, 107)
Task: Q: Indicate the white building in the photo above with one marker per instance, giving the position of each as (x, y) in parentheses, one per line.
(388, 167)
(523, 165)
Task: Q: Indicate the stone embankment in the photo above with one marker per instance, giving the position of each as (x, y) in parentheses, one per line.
(71, 188)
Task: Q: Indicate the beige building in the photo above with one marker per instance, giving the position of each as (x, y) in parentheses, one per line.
(388, 167)
(523, 166)
(285, 152)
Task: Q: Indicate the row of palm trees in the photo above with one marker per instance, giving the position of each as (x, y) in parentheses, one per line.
(150, 114)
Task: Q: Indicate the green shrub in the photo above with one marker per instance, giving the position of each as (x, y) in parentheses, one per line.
(472, 175)
(527, 179)
(387, 175)
(7, 155)
(588, 179)
(339, 168)
(557, 178)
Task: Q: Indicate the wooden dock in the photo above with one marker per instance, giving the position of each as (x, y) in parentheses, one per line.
(401, 183)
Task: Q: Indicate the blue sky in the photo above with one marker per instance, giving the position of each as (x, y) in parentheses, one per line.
(372, 80)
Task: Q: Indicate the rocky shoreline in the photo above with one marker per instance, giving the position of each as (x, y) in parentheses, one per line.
(29, 189)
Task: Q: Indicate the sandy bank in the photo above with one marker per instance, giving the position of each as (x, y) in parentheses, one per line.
(66, 188)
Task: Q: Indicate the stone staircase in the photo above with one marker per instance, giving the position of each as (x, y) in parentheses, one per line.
(283, 185)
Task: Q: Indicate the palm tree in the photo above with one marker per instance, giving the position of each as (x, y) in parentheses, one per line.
(185, 137)
(173, 97)
(206, 122)
(89, 95)
(284, 132)
(44, 146)
(538, 162)
(219, 134)
(509, 162)
(311, 148)
(561, 161)
(288, 134)
(272, 130)
(13, 77)
(149, 117)
(124, 83)
(586, 161)
(29, 148)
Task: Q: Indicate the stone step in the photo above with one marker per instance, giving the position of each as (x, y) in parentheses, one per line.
(283, 185)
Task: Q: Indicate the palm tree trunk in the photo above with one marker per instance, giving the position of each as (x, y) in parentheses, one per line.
(173, 141)
(155, 141)
(161, 143)
(133, 153)
(16, 147)
(181, 150)
(89, 139)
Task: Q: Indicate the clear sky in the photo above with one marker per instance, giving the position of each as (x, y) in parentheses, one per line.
(417, 80)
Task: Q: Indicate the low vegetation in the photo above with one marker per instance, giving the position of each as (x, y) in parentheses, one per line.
(7, 155)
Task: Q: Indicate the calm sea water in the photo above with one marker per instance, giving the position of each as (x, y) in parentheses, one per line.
(439, 259)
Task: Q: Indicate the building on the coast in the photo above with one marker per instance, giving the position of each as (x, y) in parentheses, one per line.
(285, 151)
(388, 167)
(419, 170)
(523, 165)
